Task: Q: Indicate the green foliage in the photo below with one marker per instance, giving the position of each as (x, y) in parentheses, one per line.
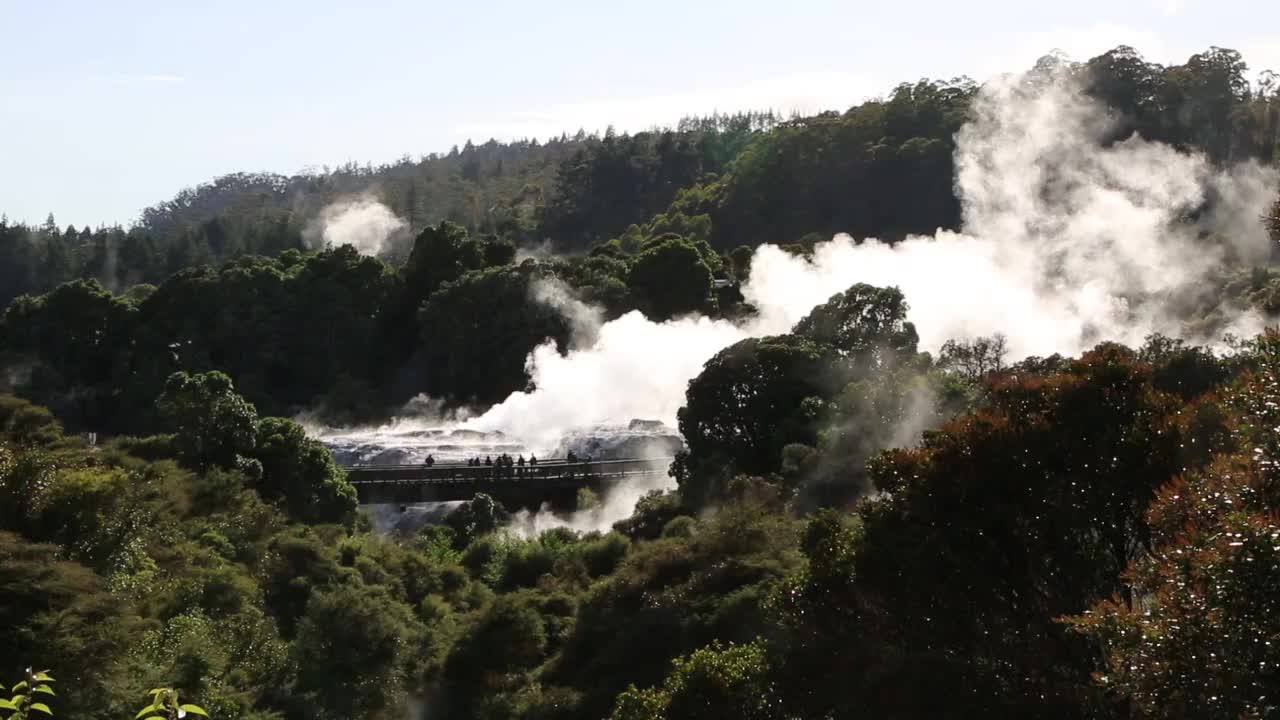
(478, 331)
(301, 472)
(165, 705)
(866, 324)
(882, 169)
(350, 648)
(670, 278)
(751, 400)
(1020, 479)
(1200, 641)
(508, 637)
(602, 555)
(30, 696)
(212, 424)
(623, 180)
(477, 517)
(650, 516)
(27, 424)
(714, 681)
(59, 614)
(672, 596)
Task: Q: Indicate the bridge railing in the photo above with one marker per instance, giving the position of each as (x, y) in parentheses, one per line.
(555, 469)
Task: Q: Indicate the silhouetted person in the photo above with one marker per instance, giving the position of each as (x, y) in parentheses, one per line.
(520, 462)
(533, 459)
(571, 457)
(488, 460)
(430, 461)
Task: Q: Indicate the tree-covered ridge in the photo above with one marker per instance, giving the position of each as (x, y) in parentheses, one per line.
(882, 169)
(508, 189)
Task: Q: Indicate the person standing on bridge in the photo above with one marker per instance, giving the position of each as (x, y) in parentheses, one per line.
(488, 461)
(430, 461)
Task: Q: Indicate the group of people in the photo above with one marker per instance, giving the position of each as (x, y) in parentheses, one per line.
(504, 460)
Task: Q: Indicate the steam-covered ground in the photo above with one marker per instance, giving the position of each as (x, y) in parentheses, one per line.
(406, 442)
(1067, 241)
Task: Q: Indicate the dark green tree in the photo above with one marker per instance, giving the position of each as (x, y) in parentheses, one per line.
(715, 681)
(300, 472)
(670, 278)
(478, 331)
(351, 649)
(753, 398)
(866, 324)
(212, 425)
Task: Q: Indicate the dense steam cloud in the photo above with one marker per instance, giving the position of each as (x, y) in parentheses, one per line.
(363, 222)
(1067, 241)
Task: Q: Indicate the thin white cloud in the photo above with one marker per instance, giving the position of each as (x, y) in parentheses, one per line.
(807, 93)
(800, 93)
(1078, 43)
(147, 79)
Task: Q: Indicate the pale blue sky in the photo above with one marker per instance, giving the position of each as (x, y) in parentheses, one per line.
(107, 107)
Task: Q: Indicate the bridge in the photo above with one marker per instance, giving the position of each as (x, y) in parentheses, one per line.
(554, 481)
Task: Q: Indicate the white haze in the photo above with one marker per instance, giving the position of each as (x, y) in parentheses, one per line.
(361, 222)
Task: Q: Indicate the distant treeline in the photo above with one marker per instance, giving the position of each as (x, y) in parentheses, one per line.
(883, 168)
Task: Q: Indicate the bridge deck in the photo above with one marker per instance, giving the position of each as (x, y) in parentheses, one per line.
(554, 481)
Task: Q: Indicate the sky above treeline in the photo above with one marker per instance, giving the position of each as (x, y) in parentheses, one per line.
(106, 108)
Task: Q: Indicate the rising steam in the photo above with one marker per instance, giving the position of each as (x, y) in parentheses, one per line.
(1066, 242)
(363, 223)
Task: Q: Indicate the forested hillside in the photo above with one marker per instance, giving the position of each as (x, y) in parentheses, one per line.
(880, 169)
(860, 525)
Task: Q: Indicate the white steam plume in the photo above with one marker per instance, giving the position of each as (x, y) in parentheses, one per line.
(362, 222)
(1066, 243)
(584, 319)
(616, 503)
(635, 369)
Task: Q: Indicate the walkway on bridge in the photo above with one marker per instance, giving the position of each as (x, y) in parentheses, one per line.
(554, 481)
